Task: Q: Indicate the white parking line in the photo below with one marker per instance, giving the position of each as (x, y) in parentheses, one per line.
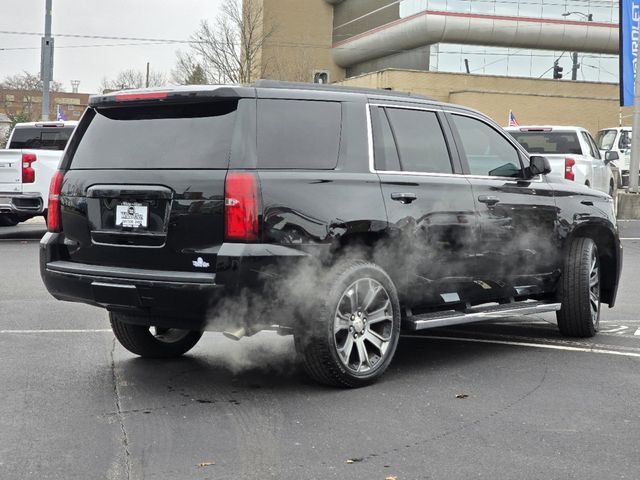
(57, 331)
(637, 332)
(630, 238)
(530, 345)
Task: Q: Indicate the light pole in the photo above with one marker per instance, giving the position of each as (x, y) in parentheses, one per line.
(46, 64)
(574, 56)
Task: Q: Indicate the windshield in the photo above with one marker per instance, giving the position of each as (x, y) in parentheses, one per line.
(41, 138)
(549, 142)
(606, 139)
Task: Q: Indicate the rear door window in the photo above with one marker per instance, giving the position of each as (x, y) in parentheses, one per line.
(420, 141)
(188, 136)
(41, 138)
(298, 134)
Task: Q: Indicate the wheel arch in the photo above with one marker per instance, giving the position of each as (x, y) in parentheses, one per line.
(609, 253)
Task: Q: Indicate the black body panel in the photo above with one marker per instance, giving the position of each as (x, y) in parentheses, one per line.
(448, 240)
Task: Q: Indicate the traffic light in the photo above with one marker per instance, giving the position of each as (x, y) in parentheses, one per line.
(557, 71)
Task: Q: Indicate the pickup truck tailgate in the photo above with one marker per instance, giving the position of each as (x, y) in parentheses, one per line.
(10, 171)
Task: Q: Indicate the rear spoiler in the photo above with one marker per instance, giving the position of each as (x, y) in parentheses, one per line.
(171, 95)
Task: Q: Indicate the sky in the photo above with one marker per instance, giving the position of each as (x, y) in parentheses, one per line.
(153, 19)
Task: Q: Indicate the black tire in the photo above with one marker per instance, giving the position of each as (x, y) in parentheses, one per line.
(579, 290)
(8, 221)
(165, 343)
(611, 189)
(338, 329)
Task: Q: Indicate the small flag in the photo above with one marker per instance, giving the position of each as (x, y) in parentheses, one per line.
(60, 114)
(512, 120)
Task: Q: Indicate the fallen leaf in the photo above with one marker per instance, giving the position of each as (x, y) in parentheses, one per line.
(349, 462)
(391, 477)
(353, 460)
(462, 395)
(206, 464)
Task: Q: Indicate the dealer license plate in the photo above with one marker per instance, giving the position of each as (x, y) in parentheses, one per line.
(132, 215)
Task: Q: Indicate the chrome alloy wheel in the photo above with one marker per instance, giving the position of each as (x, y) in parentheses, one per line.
(594, 288)
(363, 325)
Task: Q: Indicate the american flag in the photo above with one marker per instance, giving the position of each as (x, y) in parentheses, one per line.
(512, 120)
(60, 115)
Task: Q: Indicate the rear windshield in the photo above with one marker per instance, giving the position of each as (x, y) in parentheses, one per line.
(549, 142)
(41, 138)
(192, 136)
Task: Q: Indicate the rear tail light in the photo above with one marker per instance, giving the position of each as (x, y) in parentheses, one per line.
(28, 173)
(241, 207)
(54, 220)
(568, 169)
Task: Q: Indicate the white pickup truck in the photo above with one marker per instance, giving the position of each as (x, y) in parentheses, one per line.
(33, 153)
(572, 153)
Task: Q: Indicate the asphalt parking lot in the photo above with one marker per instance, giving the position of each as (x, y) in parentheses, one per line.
(497, 400)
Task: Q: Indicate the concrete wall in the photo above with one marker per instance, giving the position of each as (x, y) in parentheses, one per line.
(301, 40)
(533, 101)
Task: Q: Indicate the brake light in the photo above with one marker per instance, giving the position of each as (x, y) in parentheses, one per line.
(28, 173)
(128, 97)
(568, 169)
(54, 220)
(241, 207)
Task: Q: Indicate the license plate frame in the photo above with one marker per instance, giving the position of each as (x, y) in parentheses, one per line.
(132, 215)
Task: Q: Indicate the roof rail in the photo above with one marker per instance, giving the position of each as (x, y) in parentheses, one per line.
(334, 88)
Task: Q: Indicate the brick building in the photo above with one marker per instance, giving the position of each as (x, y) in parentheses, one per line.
(13, 102)
(488, 55)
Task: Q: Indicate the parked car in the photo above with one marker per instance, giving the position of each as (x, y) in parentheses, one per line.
(32, 155)
(572, 153)
(617, 140)
(341, 216)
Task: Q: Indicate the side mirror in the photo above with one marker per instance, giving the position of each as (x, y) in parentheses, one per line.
(611, 156)
(539, 166)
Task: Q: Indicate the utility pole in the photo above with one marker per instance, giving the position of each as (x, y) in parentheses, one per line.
(576, 66)
(46, 63)
(148, 65)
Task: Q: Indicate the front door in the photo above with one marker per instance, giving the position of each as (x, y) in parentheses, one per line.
(429, 205)
(518, 218)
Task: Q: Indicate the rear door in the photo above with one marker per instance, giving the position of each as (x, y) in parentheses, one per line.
(600, 174)
(145, 185)
(429, 204)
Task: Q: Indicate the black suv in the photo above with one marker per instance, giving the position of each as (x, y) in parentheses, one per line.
(341, 216)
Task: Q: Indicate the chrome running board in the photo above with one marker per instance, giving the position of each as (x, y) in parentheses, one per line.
(477, 314)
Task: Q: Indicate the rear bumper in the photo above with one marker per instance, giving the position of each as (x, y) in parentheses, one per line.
(21, 203)
(166, 298)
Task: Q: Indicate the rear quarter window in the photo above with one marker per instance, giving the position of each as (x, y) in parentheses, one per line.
(188, 136)
(298, 134)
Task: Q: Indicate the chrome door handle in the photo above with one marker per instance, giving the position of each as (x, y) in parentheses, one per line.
(404, 198)
(489, 200)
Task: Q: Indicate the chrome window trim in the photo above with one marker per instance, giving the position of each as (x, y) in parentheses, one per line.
(372, 168)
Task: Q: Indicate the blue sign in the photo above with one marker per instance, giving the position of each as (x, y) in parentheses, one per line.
(629, 40)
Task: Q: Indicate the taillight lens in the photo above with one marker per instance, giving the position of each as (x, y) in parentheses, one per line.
(241, 207)
(28, 173)
(568, 169)
(54, 220)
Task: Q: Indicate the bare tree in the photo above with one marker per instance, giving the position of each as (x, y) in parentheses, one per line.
(230, 49)
(28, 81)
(30, 87)
(188, 70)
(128, 79)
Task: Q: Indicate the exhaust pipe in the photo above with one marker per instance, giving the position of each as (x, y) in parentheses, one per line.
(236, 334)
